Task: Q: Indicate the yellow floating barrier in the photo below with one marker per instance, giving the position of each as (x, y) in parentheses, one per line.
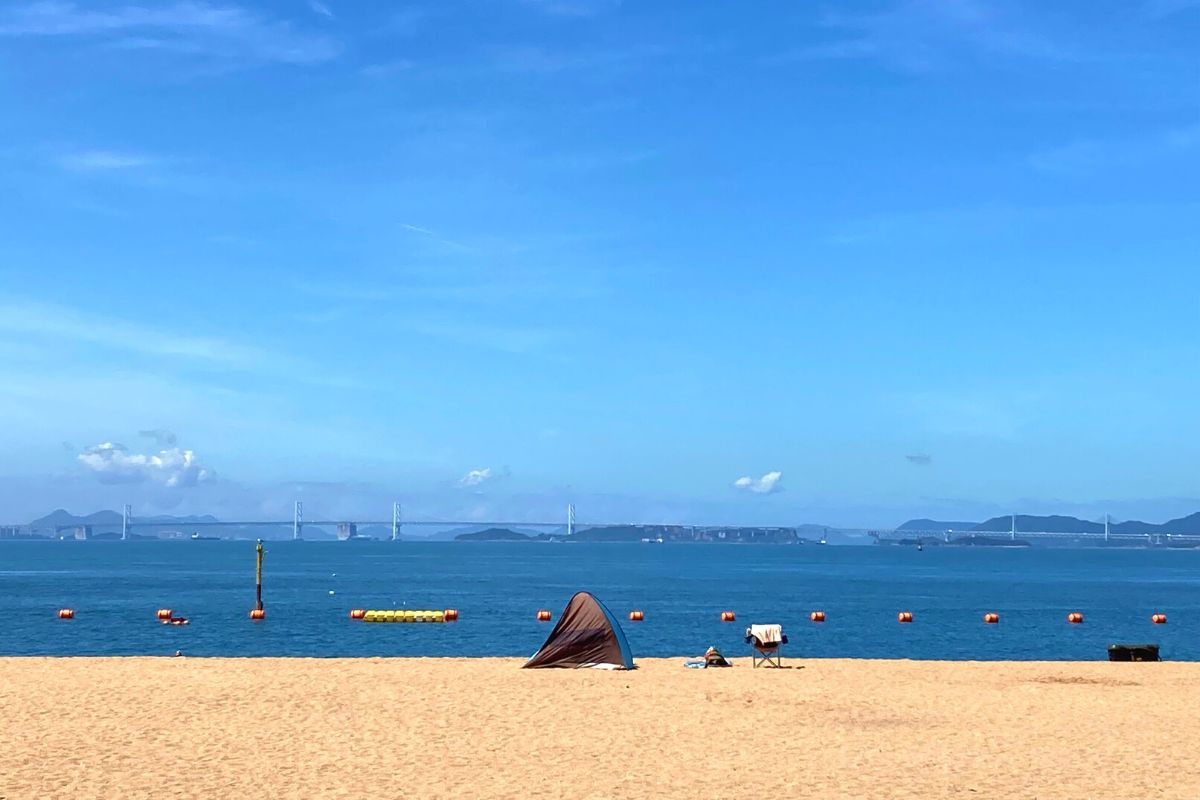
(402, 615)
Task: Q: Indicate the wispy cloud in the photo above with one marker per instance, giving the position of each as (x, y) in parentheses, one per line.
(195, 28)
(548, 61)
(1084, 156)
(174, 468)
(60, 322)
(435, 236)
(475, 310)
(921, 35)
(160, 436)
(514, 339)
(320, 8)
(103, 161)
(1159, 9)
(492, 274)
(767, 484)
(593, 161)
(386, 69)
(574, 8)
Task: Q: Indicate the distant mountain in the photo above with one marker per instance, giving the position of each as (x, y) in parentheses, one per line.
(936, 525)
(1028, 522)
(107, 525)
(1060, 524)
(62, 518)
(1189, 524)
(492, 535)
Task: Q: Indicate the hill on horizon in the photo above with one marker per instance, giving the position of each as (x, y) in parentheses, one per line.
(492, 535)
(1056, 523)
(936, 525)
(61, 517)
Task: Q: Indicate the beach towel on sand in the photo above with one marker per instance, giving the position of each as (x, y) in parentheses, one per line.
(767, 634)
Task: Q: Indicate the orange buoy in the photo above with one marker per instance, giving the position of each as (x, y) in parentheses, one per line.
(1074, 618)
(636, 616)
(163, 613)
(450, 614)
(991, 618)
(544, 616)
(357, 613)
(1159, 619)
(904, 616)
(728, 616)
(257, 613)
(66, 613)
(817, 616)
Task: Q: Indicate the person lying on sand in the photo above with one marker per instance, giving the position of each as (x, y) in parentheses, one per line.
(713, 658)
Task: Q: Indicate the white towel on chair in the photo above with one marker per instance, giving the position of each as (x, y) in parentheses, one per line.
(767, 634)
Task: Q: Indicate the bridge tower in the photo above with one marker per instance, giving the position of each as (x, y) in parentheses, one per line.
(1014, 527)
(297, 520)
(570, 519)
(396, 521)
(1106, 528)
(125, 515)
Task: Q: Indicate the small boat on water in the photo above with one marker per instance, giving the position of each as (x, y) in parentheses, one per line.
(196, 537)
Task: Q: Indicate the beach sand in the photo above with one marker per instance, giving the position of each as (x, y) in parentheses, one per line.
(482, 728)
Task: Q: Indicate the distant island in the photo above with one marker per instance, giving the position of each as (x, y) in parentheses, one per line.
(493, 535)
(1189, 525)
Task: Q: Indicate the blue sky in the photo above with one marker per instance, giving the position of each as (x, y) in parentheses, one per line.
(917, 257)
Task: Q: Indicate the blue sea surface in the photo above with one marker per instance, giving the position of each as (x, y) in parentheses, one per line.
(309, 588)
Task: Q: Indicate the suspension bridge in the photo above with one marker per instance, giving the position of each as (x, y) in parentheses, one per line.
(993, 537)
(347, 528)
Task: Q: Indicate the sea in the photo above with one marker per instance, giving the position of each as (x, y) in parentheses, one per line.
(116, 587)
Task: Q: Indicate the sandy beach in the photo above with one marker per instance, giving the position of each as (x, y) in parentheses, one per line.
(474, 728)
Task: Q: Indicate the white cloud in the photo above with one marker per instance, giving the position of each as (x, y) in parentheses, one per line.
(102, 161)
(320, 8)
(175, 468)
(767, 484)
(476, 477)
(190, 27)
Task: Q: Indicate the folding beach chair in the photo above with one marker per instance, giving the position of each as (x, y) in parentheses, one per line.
(765, 642)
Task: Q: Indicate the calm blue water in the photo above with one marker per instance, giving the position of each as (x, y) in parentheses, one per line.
(116, 587)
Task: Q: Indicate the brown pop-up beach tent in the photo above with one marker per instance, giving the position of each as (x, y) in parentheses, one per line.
(587, 635)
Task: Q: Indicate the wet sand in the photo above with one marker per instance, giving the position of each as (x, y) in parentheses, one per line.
(482, 728)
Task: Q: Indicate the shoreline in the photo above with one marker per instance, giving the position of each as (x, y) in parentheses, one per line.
(158, 726)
